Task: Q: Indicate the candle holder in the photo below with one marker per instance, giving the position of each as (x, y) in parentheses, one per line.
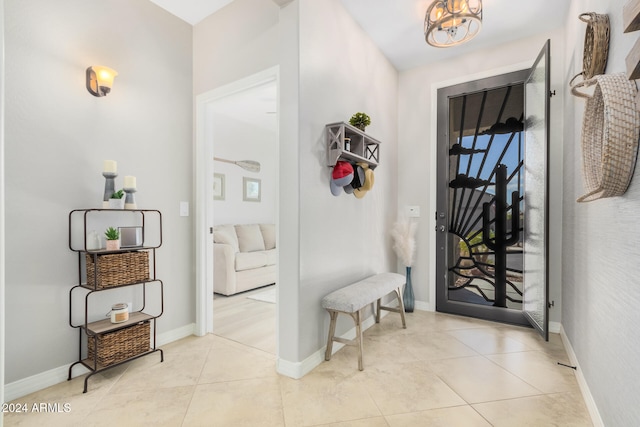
(130, 201)
(109, 187)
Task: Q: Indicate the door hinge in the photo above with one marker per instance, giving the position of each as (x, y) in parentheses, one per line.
(210, 230)
(551, 303)
(552, 93)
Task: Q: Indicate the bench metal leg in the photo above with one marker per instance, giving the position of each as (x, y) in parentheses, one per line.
(401, 306)
(332, 330)
(357, 319)
(399, 309)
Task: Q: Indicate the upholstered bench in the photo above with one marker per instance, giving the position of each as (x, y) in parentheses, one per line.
(353, 298)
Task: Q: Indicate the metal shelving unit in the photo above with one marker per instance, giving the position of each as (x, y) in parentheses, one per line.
(96, 329)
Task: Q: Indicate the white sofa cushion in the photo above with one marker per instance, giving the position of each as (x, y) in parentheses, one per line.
(249, 260)
(272, 256)
(269, 235)
(226, 234)
(250, 238)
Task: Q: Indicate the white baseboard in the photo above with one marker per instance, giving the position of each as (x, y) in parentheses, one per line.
(297, 370)
(424, 306)
(37, 382)
(17, 389)
(596, 419)
(555, 327)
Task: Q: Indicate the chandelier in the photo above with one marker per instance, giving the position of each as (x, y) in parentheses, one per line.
(452, 22)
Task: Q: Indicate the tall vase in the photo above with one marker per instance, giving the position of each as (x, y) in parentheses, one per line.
(407, 295)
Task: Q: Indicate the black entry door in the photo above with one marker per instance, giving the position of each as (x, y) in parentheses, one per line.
(482, 218)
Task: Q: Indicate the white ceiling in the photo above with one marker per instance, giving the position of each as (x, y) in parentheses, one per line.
(192, 11)
(396, 26)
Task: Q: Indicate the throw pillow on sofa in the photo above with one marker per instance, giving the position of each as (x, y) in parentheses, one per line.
(249, 238)
(269, 235)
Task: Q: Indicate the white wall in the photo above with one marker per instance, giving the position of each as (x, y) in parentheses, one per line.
(57, 136)
(416, 137)
(239, 140)
(342, 239)
(601, 295)
(237, 41)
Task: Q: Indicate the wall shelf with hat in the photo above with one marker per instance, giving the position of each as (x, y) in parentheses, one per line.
(350, 144)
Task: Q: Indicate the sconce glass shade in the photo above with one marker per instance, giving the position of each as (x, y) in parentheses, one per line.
(100, 80)
(452, 22)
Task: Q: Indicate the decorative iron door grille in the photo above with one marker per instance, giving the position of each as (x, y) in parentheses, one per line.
(485, 194)
(480, 198)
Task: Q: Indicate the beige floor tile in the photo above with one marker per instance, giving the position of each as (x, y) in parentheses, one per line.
(539, 370)
(160, 407)
(437, 345)
(459, 416)
(63, 396)
(366, 422)
(488, 341)
(228, 364)
(563, 409)
(178, 369)
(431, 321)
(191, 343)
(319, 399)
(407, 387)
(236, 403)
(477, 379)
(221, 381)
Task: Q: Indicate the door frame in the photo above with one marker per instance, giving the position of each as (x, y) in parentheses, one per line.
(433, 161)
(203, 197)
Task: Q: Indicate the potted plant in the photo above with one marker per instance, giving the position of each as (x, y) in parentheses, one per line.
(113, 239)
(116, 201)
(360, 120)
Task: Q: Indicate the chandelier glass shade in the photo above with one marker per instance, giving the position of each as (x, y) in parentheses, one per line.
(452, 22)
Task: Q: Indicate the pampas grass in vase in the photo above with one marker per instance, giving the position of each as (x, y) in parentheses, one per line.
(404, 244)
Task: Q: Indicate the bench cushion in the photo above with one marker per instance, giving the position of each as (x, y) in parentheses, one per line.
(353, 297)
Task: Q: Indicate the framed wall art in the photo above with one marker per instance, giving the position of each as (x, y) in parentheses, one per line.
(251, 189)
(218, 186)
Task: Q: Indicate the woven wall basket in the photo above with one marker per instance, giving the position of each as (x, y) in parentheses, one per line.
(610, 131)
(596, 45)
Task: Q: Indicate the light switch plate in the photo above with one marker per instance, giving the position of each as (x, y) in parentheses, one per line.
(184, 208)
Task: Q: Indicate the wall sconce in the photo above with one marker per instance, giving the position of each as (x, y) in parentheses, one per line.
(452, 22)
(100, 80)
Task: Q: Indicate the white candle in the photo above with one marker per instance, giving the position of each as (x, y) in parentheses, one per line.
(129, 181)
(110, 166)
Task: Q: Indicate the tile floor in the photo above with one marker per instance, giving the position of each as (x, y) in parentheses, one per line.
(441, 371)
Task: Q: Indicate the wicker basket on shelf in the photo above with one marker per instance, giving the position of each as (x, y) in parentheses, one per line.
(116, 346)
(117, 269)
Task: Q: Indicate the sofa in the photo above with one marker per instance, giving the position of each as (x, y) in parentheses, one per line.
(244, 257)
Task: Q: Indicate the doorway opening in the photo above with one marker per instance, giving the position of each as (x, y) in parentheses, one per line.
(243, 115)
(245, 185)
